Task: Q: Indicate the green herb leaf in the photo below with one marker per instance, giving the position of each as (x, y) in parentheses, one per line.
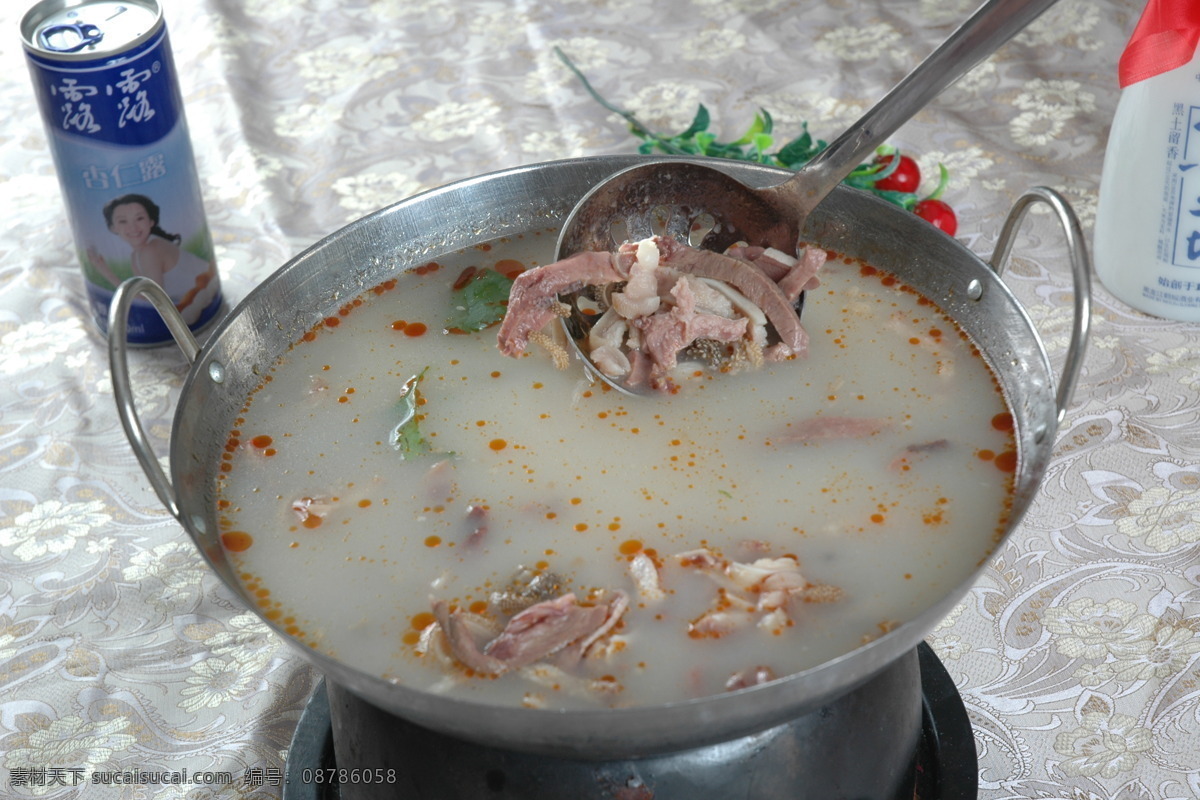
(406, 436)
(481, 302)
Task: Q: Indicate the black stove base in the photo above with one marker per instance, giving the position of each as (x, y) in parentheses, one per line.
(944, 768)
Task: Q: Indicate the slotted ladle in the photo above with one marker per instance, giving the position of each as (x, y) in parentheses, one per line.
(704, 206)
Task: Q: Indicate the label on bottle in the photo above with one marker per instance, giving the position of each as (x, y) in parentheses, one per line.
(1180, 245)
(1147, 237)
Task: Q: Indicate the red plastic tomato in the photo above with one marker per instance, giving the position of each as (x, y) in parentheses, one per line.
(939, 214)
(906, 177)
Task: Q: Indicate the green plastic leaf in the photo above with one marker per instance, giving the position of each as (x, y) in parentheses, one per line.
(943, 180)
(762, 143)
(800, 150)
(905, 200)
(481, 303)
(760, 124)
(696, 140)
(699, 123)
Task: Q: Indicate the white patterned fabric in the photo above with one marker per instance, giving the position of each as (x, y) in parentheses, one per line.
(1077, 654)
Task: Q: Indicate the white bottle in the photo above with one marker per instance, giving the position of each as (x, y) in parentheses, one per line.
(1146, 246)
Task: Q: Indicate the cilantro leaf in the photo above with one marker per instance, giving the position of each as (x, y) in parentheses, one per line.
(406, 436)
(480, 302)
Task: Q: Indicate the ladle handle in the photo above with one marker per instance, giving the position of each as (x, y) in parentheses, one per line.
(118, 362)
(1081, 269)
(992, 24)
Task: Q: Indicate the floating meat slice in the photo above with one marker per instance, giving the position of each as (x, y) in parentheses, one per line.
(915, 452)
(729, 612)
(462, 641)
(772, 579)
(533, 299)
(758, 592)
(752, 676)
(701, 558)
(543, 629)
(828, 428)
(475, 525)
(557, 679)
(775, 621)
(646, 578)
(438, 482)
(614, 610)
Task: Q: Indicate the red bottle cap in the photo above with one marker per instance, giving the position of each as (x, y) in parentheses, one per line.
(1165, 38)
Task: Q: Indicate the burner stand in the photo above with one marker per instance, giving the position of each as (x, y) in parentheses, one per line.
(882, 760)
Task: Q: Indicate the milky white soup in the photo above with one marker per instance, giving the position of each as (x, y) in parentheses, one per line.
(881, 465)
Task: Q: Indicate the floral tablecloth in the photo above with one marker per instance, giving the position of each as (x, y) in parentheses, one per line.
(1078, 653)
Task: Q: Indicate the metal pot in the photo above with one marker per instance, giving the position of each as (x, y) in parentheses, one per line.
(414, 231)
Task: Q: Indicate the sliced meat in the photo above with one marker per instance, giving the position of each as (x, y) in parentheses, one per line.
(803, 274)
(763, 258)
(533, 299)
(747, 279)
(701, 558)
(462, 641)
(571, 655)
(438, 483)
(664, 335)
(640, 297)
(645, 576)
(640, 366)
(829, 428)
(667, 296)
(543, 629)
(752, 676)
(729, 613)
(915, 452)
(475, 525)
(758, 592)
(604, 344)
(772, 579)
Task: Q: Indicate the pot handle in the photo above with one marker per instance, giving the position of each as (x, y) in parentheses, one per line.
(1081, 268)
(118, 362)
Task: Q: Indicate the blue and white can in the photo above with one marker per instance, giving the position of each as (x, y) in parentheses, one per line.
(109, 95)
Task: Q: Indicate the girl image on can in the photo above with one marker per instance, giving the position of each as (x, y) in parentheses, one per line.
(190, 281)
(110, 99)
